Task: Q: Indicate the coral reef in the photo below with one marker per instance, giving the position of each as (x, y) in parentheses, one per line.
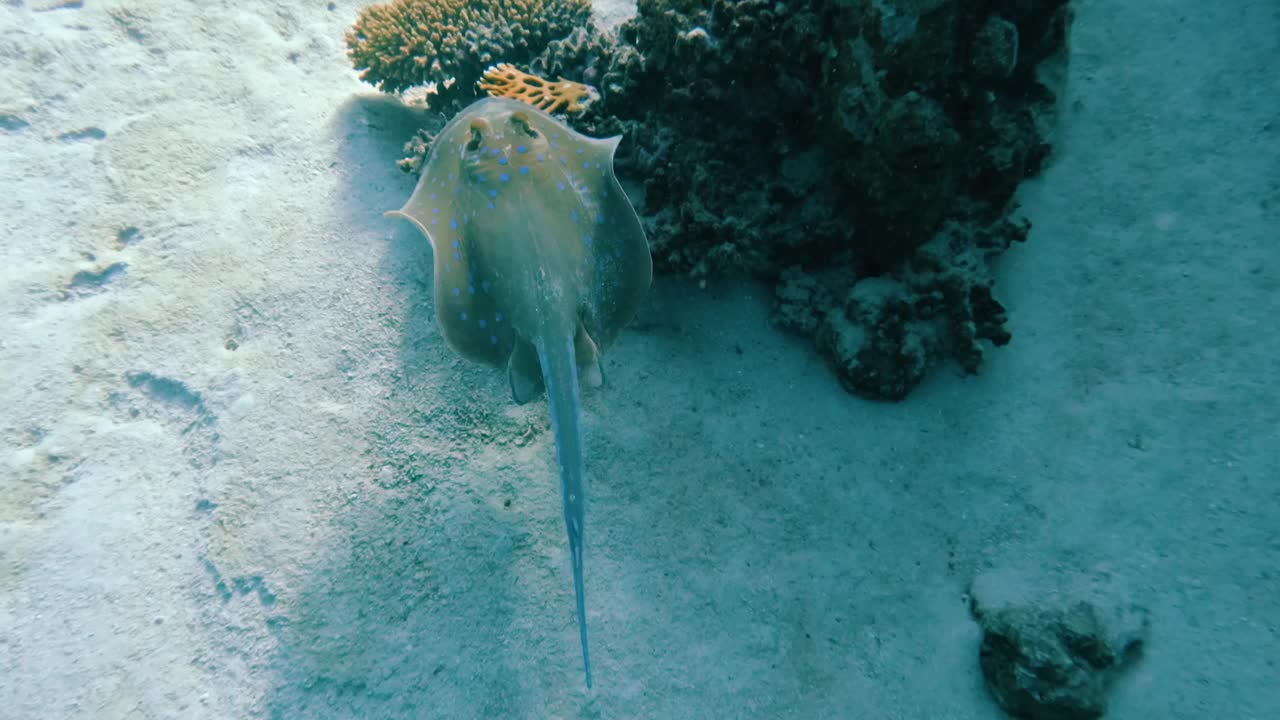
(407, 43)
(718, 102)
(873, 145)
(934, 108)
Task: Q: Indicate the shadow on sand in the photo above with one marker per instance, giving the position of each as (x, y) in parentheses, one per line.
(405, 614)
(411, 607)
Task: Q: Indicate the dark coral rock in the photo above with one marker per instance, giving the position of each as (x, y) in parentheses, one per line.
(1048, 664)
(884, 333)
(925, 127)
(1054, 640)
(879, 349)
(713, 98)
(801, 302)
(877, 137)
(584, 55)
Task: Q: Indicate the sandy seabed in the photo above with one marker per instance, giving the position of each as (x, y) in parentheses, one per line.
(241, 476)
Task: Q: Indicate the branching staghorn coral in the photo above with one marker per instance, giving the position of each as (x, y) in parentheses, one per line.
(406, 43)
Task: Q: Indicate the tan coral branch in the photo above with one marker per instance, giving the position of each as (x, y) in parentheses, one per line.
(560, 96)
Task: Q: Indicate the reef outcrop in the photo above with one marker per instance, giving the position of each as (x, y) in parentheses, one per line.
(861, 154)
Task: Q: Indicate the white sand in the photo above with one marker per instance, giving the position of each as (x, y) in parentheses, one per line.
(340, 519)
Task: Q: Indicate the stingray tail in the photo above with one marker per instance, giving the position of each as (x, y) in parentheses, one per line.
(560, 375)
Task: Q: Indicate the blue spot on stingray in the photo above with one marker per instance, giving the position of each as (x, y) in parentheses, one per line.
(482, 323)
(597, 166)
(502, 161)
(574, 214)
(435, 211)
(539, 157)
(579, 151)
(560, 186)
(454, 224)
(456, 256)
(434, 221)
(490, 206)
(484, 285)
(504, 177)
(455, 243)
(471, 289)
(493, 339)
(462, 316)
(585, 165)
(521, 149)
(493, 193)
(493, 151)
(524, 171)
(563, 161)
(457, 292)
(497, 317)
(586, 240)
(433, 196)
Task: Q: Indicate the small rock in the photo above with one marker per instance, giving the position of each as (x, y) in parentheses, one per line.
(1051, 657)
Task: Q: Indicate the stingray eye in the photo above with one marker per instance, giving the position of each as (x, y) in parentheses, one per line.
(521, 121)
(478, 126)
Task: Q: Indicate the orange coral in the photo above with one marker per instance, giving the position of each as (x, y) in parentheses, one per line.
(560, 96)
(407, 43)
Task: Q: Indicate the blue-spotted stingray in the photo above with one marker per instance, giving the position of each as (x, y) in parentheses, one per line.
(539, 261)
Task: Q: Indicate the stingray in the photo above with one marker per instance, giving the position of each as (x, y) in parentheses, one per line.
(539, 260)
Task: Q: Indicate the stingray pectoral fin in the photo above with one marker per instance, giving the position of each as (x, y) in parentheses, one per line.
(406, 216)
(588, 356)
(618, 253)
(523, 373)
